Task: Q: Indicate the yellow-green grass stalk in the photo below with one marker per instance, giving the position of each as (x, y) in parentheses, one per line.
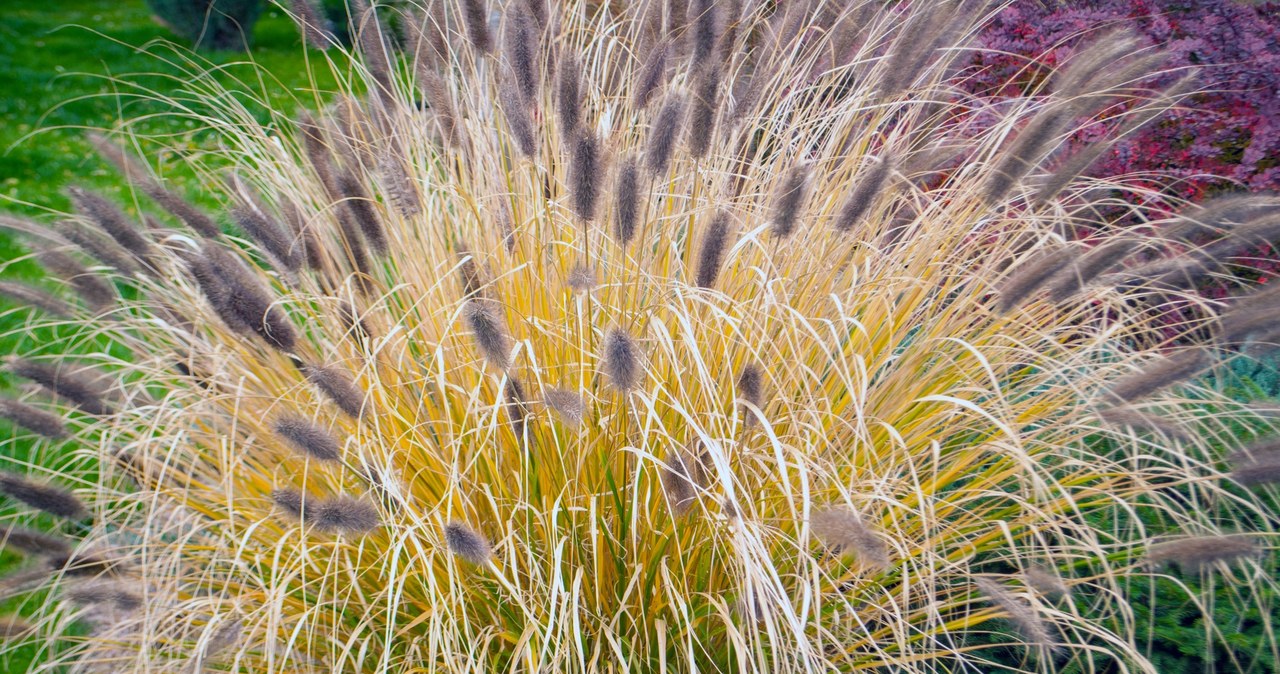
(575, 477)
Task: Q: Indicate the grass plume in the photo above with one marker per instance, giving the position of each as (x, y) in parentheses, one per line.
(497, 327)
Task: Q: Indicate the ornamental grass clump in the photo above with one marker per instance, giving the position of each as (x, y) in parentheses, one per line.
(497, 379)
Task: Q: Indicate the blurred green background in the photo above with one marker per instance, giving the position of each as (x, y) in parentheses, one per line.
(71, 65)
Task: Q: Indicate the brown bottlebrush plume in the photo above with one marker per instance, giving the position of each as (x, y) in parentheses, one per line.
(1023, 617)
(679, 483)
(789, 201)
(354, 322)
(315, 30)
(1046, 581)
(400, 185)
(371, 43)
(473, 280)
(53, 500)
(1197, 553)
(1089, 266)
(1219, 214)
(702, 113)
(476, 17)
(1032, 275)
(467, 543)
(585, 168)
(344, 514)
(581, 279)
(751, 389)
(1256, 464)
(663, 133)
(240, 299)
(291, 501)
(845, 533)
(316, 147)
(520, 50)
(64, 382)
(626, 194)
(621, 360)
(13, 627)
(1026, 151)
(32, 542)
(96, 291)
(1137, 420)
(516, 405)
(440, 99)
(361, 206)
(1160, 374)
(538, 10)
(424, 36)
(35, 420)
(353, 245)
(338, 386)
(516, 110)
(917, 43)
(711, 250)
(568, 405)
(651, 75)
(1258, 231)
(140, 176)
(38, 298)
(100, 248)
(864, 194)
(104, 593)
(706, 30)
(569, 93)
(114, 222)
(307, 438)
(489, 331)
(270, 235)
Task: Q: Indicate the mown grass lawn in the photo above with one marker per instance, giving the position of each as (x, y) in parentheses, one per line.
(71, 65)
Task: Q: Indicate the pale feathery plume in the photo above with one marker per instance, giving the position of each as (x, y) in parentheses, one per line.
(307, 438)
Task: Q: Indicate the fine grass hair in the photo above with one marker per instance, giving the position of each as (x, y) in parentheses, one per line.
(717, 336)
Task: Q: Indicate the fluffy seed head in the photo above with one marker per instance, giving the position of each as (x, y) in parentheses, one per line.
(344, 514)
(476, 16)
(115, 223)
(13, 627)
(568, 405)
(844, 532)
(702, 115)
(1160, 374)
(679, 483)
(621, 360)
(1030, 626)
(789, 201)
(626, 209)
(467, 543)
(53, 500)
(1197, 553)
(33, 419)
(865, 192)
(663, 134)
(515, 108)
(338, 386)
(569, 93)
(712, 249)
(32, 542)
(307, 438)
(584, 175)
(489, 331)
(66, 382)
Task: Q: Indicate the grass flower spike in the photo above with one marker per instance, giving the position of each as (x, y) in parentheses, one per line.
(709, 336)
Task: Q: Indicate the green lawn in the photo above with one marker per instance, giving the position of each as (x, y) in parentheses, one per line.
(71, 65)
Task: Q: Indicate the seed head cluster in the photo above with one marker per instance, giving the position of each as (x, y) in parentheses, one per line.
(720, 335)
